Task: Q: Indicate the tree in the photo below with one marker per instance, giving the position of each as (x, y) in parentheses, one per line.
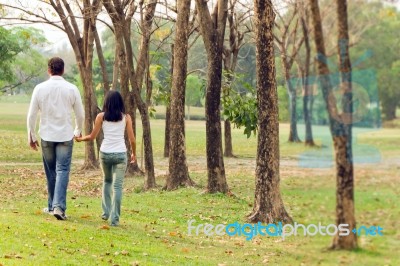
(304, 70)
(121, 13)
(212, 29)
(288, 35)
(9, 48)
(81, 40)
(178, 169)
(20, 62)
(237, 31)
(339, 123)
(268, 205)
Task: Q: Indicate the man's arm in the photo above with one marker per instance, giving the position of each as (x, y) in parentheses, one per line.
(31, 120)
(79, 114)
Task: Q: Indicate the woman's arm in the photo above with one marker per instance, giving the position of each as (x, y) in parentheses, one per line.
(97, 126)
(131, 137)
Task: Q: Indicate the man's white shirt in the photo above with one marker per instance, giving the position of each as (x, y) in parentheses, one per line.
(55, 99)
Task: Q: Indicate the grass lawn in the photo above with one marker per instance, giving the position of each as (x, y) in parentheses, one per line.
(154, 224)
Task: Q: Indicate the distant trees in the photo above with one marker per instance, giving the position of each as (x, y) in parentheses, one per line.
(20, 62)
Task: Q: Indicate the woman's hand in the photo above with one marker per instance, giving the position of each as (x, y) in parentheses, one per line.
(79, 139)
(133, 158)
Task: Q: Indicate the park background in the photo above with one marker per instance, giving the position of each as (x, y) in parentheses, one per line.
(153, 227)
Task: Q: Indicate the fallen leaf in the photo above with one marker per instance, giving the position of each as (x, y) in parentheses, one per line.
(105, 227)
(173, 233)
(124, 252)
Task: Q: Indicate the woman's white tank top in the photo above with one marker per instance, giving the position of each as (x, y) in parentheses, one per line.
(114, 136)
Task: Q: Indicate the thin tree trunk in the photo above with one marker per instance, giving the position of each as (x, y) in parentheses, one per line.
(308, 93)
(213, 30)
(293, 133)
(268, 205)
(168, 110)
(178, 170)
(102, 61)
(228, 152)
(340, 125)
(344, 159)
(167, 129)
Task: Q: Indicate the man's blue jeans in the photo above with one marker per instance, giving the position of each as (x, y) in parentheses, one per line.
(57, 163)
(114, 166)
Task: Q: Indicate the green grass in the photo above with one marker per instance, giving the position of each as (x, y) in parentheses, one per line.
(153, 227)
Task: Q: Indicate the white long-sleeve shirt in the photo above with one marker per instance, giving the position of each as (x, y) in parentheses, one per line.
(55, 99)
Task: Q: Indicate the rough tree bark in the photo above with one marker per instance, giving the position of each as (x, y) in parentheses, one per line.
(213, 29)
(268, 205)
(345, 168)
(178, 170)
(340, 124)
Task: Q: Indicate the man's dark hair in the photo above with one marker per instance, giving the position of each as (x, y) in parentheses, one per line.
(113, 107)
(56, 66)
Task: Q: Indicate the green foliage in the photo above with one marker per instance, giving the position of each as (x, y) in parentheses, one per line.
(283, 104)
(241, 108)
(10, 46)
(20, 61)
(195, 87)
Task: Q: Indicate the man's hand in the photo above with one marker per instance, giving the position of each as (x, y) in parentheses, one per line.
(34, 145)
(78, 138)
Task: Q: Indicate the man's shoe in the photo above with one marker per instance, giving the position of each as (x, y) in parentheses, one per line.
(46, 211)
(59, 214)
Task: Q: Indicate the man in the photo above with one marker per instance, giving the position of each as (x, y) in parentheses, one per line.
(55, 99)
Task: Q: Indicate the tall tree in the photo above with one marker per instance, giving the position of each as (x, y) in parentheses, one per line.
(80, 31)
(236, 20)
(304, 70)
(339, 123)
(344, 152)
(268, 205)
(212, 27)
(178, 169)
(121, 13)
(288, 35)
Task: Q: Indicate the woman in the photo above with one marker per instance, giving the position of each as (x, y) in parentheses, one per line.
(113, 152)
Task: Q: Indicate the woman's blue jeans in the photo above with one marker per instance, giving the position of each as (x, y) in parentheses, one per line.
(57, 164)
(113, 166)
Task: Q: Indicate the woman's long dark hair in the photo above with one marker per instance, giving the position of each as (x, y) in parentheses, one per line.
(113, 107)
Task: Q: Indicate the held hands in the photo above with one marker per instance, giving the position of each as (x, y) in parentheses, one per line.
(79, 138)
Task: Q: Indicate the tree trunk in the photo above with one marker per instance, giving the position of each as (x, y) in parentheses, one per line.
(213, 30)
(308, 93)
(228, 152)
(268, 205)
(167, 129)
(343, 146)
(90, 111)
(178, 170)
(340, 124)
(168, 110)
(293, 133)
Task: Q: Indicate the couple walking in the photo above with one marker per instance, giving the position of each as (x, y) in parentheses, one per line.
(56, 99)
